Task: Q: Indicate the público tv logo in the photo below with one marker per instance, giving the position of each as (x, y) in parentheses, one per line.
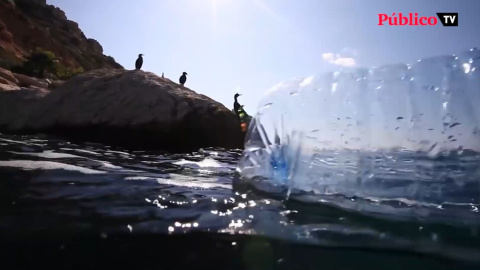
(447, 19)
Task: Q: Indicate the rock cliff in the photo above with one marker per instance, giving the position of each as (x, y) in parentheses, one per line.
(26, 25)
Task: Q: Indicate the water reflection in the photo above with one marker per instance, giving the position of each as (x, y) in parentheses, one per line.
(146, 192)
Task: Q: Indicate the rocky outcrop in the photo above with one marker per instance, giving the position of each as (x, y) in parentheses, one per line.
(26, 25)
(8, 82)
(7, 76)
(26, 81)
(128, 108)
(8, 87)
(12, 81)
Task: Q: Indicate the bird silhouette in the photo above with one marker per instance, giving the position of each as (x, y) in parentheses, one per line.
(139, 62)
(236, 106)
(183, 78)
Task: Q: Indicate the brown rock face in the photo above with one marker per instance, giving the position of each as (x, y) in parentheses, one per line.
(24, 80)
(7, 86)
(7, 76)
(8, 82)
(26, 25)
(128, 108)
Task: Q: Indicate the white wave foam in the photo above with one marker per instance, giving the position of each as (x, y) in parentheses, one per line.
(81, 151)
(46, 165)
(208, 162)
(54, 155)
(47, 154)
(20, 142)
(205, 165)
(118, 152)
(184, 181)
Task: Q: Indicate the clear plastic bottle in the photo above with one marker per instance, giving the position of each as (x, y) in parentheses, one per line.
(407, 132)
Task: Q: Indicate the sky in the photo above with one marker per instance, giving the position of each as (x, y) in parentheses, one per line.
(248, 46)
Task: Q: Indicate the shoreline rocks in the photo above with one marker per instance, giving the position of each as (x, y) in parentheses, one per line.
(134, 109)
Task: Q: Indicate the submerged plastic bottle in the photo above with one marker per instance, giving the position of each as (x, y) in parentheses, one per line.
(406, 132)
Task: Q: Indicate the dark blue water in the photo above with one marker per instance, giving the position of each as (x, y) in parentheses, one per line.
(91, 206)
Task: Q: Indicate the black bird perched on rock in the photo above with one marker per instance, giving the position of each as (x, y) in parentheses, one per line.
(236, 106)
(139, 62)
(183, 78)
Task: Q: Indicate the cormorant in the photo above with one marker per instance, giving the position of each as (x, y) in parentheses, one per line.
(139, 62)
(183, 78)
(236, 106)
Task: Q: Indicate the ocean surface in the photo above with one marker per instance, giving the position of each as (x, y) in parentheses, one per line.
(66, 205)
